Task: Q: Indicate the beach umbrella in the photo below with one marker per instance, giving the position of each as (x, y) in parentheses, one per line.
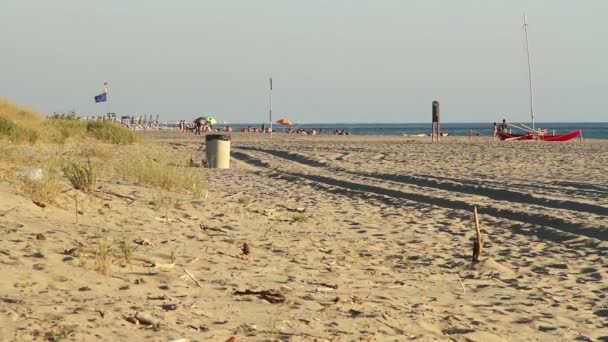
(284, 122)
(210, 119)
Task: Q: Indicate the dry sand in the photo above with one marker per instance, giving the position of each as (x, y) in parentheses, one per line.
(382, 251)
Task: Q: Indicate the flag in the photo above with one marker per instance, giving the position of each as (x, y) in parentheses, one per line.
(103, 97)
(271, 83)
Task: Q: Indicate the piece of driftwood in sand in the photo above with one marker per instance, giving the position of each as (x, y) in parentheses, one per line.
(193, 278)
(219, 230)
(114, 193)
(271, 296)
(478, 244)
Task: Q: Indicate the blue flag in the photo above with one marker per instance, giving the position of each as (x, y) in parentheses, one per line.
(103, 97)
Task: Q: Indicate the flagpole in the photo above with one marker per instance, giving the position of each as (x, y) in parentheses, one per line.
(105, 89)
(270, 111)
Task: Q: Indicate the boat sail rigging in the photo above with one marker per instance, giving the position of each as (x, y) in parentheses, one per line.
(533, 133)
(529, 71)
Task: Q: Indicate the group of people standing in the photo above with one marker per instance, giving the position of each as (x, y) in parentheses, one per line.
(502, 127)
(197, 127)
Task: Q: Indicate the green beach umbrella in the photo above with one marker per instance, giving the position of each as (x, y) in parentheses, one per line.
(210, 119)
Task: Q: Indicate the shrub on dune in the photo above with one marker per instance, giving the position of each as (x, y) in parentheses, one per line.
(110, 132)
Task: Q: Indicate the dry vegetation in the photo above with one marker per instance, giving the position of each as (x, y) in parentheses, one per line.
(65, 163)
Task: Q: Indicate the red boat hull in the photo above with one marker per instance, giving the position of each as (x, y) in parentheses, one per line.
(544, 137)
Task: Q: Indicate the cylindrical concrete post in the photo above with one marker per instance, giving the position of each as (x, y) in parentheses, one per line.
(218, 151)
(436, 130)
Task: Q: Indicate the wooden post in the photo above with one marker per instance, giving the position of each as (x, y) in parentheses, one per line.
(436, 129)
(478, 244)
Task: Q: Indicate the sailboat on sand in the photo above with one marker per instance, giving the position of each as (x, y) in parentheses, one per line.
(534, 133)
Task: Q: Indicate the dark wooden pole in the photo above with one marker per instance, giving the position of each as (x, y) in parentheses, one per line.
(478, 244)
(436, 130)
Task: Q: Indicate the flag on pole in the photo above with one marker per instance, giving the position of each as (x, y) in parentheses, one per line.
(103, 97)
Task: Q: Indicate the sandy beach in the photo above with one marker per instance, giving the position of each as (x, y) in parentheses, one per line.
(348, 238)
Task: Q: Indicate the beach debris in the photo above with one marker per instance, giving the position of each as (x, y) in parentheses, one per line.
(478, 244)
(142, 242)
(38, 267)
(296, 209)
(170, 307)
(269, 212)
(246, 329)
(457, 331)
(12, 300)
(331, 286)
(193, 278)
(38, 255)
(461, 284)
(234, 195)
(271, 296)
(245, 255)
(38, 203)
(32, 173)
(201, 327)
(40, 236)
(220, 230)
(72, 252)
(355, 313)
(114, 193)
(159, 265)
(144, 319)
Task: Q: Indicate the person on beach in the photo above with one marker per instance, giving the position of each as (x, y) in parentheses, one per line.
(494, 132)
(503, 126)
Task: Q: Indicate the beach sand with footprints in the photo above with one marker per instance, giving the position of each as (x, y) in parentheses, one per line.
(325, 238)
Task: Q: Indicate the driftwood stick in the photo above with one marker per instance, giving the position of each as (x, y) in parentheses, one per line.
(461, 284)
(478, 244)
(220, 230)
(192, 277)
(233, 195)
(110, 192)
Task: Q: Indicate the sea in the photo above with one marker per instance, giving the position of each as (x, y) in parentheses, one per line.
(594, 130)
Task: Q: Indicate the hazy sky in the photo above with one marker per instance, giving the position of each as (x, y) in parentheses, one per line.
(330, 60)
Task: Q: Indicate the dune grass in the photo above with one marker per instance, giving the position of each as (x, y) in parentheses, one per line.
(80, 153)
(16, 133)
(110, 132)
(159, 170)
(23, 125)
(82, 175)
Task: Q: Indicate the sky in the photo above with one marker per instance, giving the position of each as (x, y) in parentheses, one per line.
(330, 60)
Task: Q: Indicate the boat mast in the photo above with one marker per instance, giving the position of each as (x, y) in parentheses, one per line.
(529, 72)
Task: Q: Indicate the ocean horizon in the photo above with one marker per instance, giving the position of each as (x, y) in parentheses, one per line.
(594, 130)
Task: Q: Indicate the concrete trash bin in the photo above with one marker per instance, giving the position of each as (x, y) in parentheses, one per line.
(218, 151)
